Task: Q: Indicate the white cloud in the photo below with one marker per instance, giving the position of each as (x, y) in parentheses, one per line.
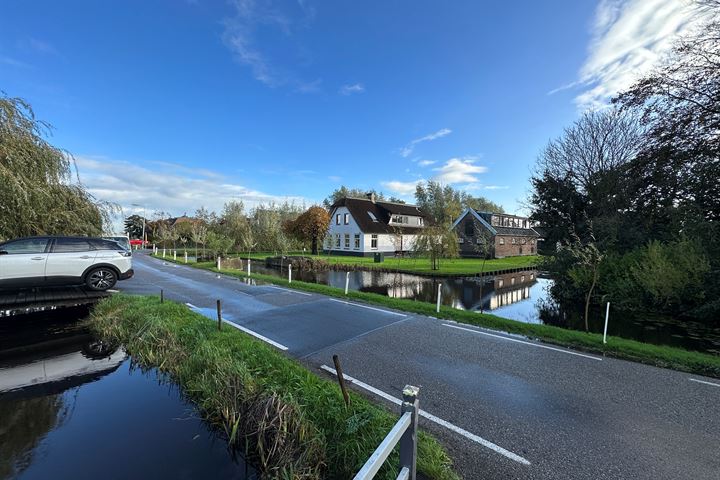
(350, 89)
(242, 29)
(495, 187)
(628, 38)
(407, 150)
(169, 188)
(425, 163)
(459, 170)
(401, 188)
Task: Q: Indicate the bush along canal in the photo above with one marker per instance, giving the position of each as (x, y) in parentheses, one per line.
(75, 407)
(287, 421)
(665, 356)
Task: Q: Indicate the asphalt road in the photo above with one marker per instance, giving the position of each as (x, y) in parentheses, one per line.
(512, 408)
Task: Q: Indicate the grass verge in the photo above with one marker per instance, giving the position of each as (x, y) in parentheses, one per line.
(290, 422)
(618, 347)
(420, 266)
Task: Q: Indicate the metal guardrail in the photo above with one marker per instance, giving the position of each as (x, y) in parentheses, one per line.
(405, 433)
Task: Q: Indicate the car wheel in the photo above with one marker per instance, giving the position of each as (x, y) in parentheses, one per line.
(101, 279)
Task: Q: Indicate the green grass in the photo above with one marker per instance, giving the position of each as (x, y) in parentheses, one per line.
(452, 266)
(290, 422)
(658, 355)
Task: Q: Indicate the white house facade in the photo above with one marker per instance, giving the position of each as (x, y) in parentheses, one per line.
(364, 226)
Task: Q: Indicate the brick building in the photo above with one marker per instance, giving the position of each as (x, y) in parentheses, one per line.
(494, 235)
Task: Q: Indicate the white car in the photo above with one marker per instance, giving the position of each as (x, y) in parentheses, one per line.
(46, 261)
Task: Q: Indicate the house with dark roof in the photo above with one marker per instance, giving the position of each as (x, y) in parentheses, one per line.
(494, 235)
(364, 226)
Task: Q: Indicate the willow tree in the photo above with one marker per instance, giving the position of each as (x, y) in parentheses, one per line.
(39, 195)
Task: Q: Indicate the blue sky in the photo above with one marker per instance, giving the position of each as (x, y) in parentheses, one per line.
(176, 104)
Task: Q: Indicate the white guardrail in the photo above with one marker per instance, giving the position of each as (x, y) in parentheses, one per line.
(405, 433)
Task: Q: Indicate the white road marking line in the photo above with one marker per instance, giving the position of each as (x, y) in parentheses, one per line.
(704, 382)
(290, 291)
(247, 330)
(524, 342)
(369, 308)
(433, 418)
(256, 335)
(112, 290)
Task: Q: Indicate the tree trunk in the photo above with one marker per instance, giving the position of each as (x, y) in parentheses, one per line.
(314, 246)
(587, 300)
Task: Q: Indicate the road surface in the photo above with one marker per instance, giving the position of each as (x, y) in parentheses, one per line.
(505, 406)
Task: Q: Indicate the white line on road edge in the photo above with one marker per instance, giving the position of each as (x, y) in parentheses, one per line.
(369, 308)
(247, 330)
(524, 342)
(704, 382)
(290, 291)
(256, 335)
(433, 418)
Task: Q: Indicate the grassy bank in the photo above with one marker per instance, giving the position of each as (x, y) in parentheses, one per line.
(658, 355)
(291, 422)
(422, 266)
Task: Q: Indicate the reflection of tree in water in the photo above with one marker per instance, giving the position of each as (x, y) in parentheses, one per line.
(24, 423)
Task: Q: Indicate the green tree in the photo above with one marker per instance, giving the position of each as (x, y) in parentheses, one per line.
(40, 195)
(444, 204)
(436, 242)
(134, 226)
(344, 191)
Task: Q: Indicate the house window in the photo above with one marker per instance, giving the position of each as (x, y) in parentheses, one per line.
(337, 219)
(461, 240)
(512, 281)
(502, 241)
(501, 282)
(373, 241)
(532, 242)
(347, 240)
(513, 241)
(357, 241)
(347, 219)
(522, 278)
(469, 229)
(372, 216)
(421, 221)
(337, 240)
(524, 241)
(399, 219)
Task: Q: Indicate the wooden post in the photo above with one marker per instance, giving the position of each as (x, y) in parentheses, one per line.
(341, 380)
(219, 315)
(161, 296)
(408, 442)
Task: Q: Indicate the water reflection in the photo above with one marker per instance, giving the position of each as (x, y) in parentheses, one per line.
(73, 407)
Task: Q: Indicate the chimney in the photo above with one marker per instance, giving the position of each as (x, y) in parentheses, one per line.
(371, 196)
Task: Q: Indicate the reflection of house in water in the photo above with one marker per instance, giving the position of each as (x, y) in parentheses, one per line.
(497, 291)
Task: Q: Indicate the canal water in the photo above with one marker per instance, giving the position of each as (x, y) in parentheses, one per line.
(73, 407)
(523, 296)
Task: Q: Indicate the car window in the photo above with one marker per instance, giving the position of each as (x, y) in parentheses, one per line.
(107, 245)
(69, 245)
(28, 245)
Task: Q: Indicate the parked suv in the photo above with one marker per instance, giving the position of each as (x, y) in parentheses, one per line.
(45, 261)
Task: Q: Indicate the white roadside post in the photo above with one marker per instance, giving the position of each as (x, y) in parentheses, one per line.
(174, 254)
(185, 256)
(218, 262)
(437, 308)
(289, 272)
(248, 267)
(163, 252)
(607, 316)
(347, 282)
